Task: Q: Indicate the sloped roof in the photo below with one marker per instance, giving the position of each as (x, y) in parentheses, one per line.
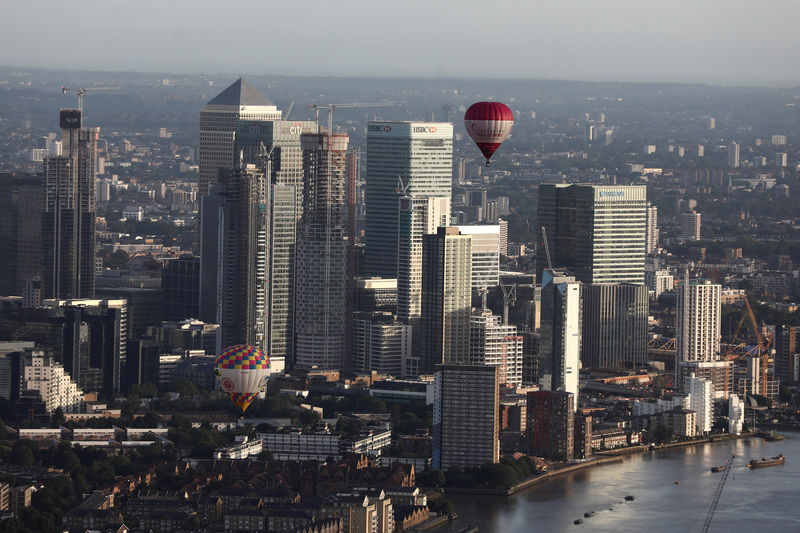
(240, 93)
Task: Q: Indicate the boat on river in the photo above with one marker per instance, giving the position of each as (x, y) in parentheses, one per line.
(763, 463)
(719, 468)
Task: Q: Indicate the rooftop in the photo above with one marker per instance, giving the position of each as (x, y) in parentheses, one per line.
(241, 93)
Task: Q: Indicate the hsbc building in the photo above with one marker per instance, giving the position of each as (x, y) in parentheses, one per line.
(420, 154)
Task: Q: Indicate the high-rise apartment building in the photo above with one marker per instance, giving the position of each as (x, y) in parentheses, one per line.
(403, 158)
(20, 229)
(651, 242)
(219, 122)
(698, 321)
(496, 344)
(40, 372)
(281, 264)
(466, 416)
(321, 255)
(243, 255)
(551, 424)
(690, 226)
(596, 231)
(381, 344)
(68, 212)
(614, 332)
(701, 401)
(787, 354)
(485, 254)
(560, 333)
(446, 298)
(658, 281)
(733, 154)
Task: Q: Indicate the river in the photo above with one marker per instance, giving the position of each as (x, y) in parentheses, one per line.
(753, 501)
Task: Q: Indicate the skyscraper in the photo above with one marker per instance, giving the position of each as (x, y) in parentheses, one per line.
(787, 356)
(733, 154)
(466, 412)
(219, 122)
(560, 341)
(280, 296)
(403, 158)
(243, 253)
(180, 285)
(380, 344)
(690, 226)
(68, 212)
(20, 229)
(485, 254)
(446, 298)
(418, 216)
(614, 329)
(321, 254)
(596, 231)
(698, 320)
(551, 423)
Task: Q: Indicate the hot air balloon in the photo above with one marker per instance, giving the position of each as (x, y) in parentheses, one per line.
(242, 371)
(488, 123)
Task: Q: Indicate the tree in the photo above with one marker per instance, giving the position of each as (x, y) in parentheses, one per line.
(58, 417)
(21, 455)
(785, 394)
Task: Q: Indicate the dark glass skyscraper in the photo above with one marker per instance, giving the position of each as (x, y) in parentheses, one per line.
(68, 212)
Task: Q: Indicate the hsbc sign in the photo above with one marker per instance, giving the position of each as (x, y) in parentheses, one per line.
(425, 129)
(379, 127)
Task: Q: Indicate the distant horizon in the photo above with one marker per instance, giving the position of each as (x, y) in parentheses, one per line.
(747, 83)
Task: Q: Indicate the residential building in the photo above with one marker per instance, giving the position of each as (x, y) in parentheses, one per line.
(698, 320)
(652, 232)
(320, 287)
(690, 226)
(446, 298)
(701, 401)
(787, 354)
(560, 333)
(414, 157)
(659, 281)
(496, 344)
(550, 425)
(466, 411)
(41, 373)
(381, 344)
(733, 154)
(376, 294)
(68, 212)
(735, 415)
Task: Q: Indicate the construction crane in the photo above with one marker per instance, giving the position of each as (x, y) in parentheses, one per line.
(763, 346)
(83, 90)
(509, 297)
(547, 248)
(717, 494)
(332, 107)
(289, 111)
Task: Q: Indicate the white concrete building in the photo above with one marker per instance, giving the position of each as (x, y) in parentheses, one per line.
(698, 320)
(241, 450)
(495, 344)
(701, 401)
(56, 388)
(485, 254)
(735, 415)
(658, 281)
(651, 243)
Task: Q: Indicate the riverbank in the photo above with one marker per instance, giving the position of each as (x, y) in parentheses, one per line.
(601, 458)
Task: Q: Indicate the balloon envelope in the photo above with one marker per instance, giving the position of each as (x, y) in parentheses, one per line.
(488, 123)
(242, 371)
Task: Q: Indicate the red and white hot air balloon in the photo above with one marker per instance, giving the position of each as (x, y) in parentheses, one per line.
(488, 123)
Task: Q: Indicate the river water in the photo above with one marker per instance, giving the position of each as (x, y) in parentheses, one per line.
(753, 501)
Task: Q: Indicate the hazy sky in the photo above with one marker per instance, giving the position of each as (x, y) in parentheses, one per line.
(718, 41)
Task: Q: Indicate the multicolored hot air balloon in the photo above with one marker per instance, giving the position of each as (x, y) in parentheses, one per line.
(488, 123)
(242, 372)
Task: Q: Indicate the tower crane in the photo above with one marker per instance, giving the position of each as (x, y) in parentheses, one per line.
(509, 297)
(717, 494)
(83, 90)
(332, 107)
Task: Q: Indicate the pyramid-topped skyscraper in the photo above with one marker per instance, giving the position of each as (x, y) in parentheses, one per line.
(219, 121)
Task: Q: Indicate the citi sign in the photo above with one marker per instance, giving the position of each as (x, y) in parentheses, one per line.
(425, 129)
(297, 129)
(378, 127)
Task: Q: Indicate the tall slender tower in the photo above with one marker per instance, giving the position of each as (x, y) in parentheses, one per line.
(418, 155)
(68, 212)
(321, 254)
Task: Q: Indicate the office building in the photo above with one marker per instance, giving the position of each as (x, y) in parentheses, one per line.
(41, 373)
(180, 288)
(144, 307)
(651, 239)
(219, 122)
(186, 335)
(690, 226)
(20, 229)
(418, 216)
(381, 344)
(466, 413)
(550, 425)
(485, 254)
(68, 212)
(142, 362)
(243, 249)
(446, 298)
(733, 154)
(701, 401)
(698, 320)
(94, 336)
(281, 289)
(496, 344)
(560, 333)
(321, 255)
(787, 355)
(413, 157)
(596, 231)
(614, 332)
